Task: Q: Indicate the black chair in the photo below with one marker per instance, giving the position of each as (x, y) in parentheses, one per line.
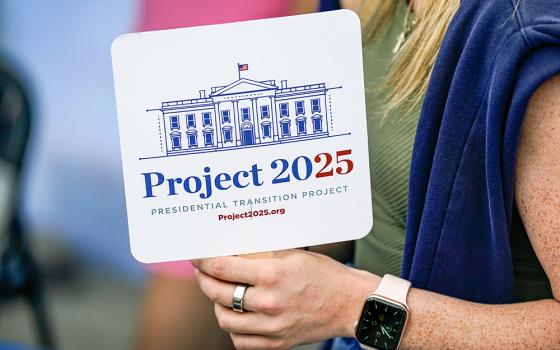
(20, 277)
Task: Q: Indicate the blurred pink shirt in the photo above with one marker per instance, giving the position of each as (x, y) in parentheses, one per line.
(167, 14)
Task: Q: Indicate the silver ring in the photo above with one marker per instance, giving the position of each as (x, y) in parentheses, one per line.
(238, 295)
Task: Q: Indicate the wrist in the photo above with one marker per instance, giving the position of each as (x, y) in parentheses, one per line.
(359, 285)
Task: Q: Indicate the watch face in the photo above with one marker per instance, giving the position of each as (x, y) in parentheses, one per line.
(381, 324)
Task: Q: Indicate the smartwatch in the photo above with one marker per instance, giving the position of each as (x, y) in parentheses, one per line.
(384, 315)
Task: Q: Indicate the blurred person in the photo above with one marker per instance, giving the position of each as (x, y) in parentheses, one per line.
(20, 276)
(73, 194)
(175, 314)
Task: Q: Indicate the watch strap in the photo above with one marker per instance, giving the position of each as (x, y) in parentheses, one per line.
(394, 288)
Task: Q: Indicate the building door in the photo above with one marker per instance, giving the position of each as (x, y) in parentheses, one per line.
(285, 127)
(301, 129)
(176, 141)
(247, 134)
(192, 140)
(208, 138)
(317, 125)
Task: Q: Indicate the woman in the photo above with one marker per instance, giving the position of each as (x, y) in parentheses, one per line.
(466, 193)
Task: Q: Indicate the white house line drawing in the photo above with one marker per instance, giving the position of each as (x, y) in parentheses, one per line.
(245, 113)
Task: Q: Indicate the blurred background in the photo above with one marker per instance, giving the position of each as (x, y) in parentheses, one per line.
(67, 278)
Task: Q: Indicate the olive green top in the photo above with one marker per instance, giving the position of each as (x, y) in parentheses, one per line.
(390, 145)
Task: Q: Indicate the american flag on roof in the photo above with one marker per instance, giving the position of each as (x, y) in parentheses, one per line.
(242, 67)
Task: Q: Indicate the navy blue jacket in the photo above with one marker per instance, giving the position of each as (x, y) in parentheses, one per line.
(461, 183)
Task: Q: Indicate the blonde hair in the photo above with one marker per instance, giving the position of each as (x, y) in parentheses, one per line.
(407, 80)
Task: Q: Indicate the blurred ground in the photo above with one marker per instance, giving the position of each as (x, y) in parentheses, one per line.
(89, 310)
(96, 314)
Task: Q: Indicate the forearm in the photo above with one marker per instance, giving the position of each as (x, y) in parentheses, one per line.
(441, 322)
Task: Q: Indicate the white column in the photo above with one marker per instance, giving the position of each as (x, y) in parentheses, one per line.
(236, 124)
(218, 125)
(256, 118)
(273, 117)
(325, 113)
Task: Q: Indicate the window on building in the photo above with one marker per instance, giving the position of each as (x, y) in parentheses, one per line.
(175, 140)
(174, 121)
(317, 123)
(285, 127)
(264, 111)
(245, 114)
(206, 119)
(192, 138)
(301, 128)
(227, 135)
(299, 108)
(226, 117)
(316, 106)
(208, 137)
(191, 122)
(284, 110)
(266, 130)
